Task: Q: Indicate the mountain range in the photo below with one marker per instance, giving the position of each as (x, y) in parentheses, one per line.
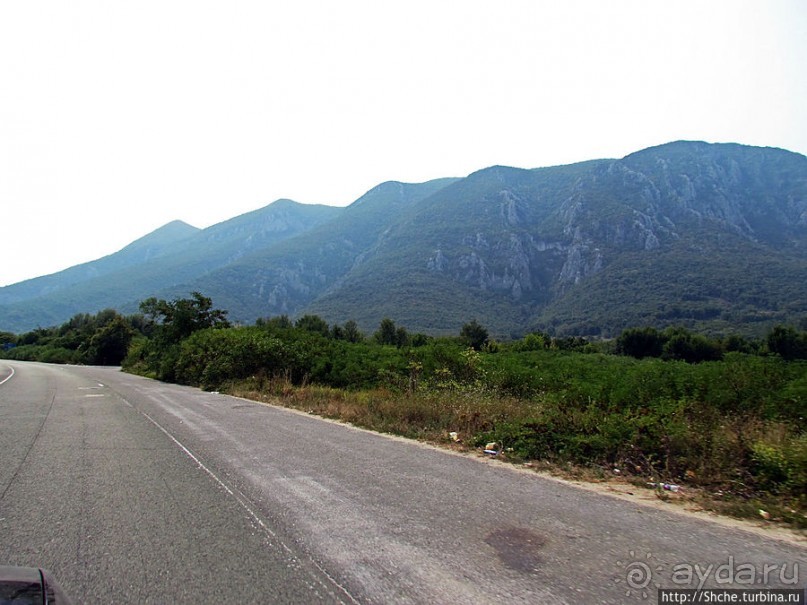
(709, 236)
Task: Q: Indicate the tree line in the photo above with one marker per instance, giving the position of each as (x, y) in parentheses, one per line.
(106, 338)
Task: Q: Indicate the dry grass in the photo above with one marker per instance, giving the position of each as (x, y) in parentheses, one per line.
(432, 415)
(428, 415)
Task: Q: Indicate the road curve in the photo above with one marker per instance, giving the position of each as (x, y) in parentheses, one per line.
(134, 491)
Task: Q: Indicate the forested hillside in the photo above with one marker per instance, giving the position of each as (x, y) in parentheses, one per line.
(708, 236)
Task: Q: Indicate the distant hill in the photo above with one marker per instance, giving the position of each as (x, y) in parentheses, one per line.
(285, 278)
(711, 236)
(169, 257)
(140, 251)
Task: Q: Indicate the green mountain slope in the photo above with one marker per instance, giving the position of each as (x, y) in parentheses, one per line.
(284, 278)
(158, 269)
(148, 247)
(712, 236)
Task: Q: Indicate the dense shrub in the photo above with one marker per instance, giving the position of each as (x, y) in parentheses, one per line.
(101, 339)
(782, 466)
(212, 356)
(671, 418)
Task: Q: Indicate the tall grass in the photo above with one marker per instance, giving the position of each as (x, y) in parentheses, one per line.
(425, 414)
(731, 428)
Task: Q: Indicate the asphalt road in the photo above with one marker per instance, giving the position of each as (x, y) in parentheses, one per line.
(134, 491)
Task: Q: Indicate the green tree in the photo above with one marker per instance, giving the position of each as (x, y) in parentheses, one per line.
(181, 317)
(351, 332)
(739, 344)
(401, 337)
(788, 343)
(387, 333)
(313, 323)
(693, 348)
(419, 340)
(640, 343)
(280, 322)
(109, 344)
(534, 341)
(474, 335)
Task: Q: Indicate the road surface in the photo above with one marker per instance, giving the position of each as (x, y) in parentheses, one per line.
(134, 491)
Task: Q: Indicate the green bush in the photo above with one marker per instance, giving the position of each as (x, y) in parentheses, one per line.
(212, 356)
(781, 466)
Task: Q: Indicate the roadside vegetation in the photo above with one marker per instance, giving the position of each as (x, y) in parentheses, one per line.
(721, 417)
(100, 339)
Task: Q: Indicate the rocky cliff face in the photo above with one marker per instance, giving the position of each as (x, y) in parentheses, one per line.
(757, 193)
(642, 203)
(533, 237)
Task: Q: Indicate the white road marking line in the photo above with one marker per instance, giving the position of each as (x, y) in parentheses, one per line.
(7, 378)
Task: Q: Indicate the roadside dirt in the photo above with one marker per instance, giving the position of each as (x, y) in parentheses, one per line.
(683, 503)
(686, 501)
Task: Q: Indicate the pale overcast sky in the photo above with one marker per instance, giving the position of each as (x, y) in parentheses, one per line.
(117, 117)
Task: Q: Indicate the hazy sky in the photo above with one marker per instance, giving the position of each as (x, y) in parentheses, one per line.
(117, 117)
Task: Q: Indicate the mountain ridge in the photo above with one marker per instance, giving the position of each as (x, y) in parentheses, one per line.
(151, 245)
(178, 261)
(586, 249)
